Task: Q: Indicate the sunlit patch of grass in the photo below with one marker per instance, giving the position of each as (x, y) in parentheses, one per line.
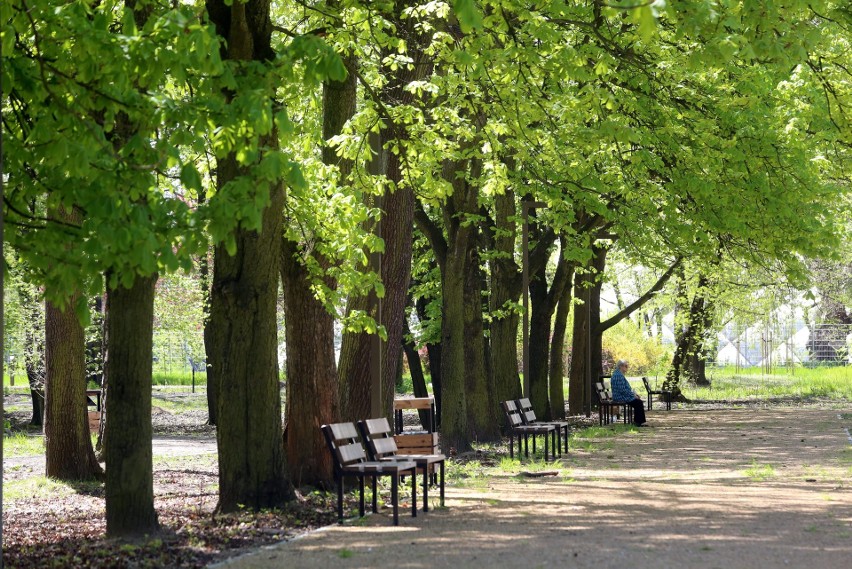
(22, 444)
(179, 405)
(730, 384)
(582, 445)
(819, 472)
(43, 487)
(509, 464)
(759, 471)
(469, 474)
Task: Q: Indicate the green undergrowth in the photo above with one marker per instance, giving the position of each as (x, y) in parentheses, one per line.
(22, 444)
(760, 472)
(179, 378)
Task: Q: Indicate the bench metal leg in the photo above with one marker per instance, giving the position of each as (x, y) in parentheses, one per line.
(375, 495)
(361, 496)
(340, 498)
(425, 487)
(414, 492)
(395, 499)
(442, 483)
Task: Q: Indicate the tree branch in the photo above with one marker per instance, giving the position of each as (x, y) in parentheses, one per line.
(632, 307)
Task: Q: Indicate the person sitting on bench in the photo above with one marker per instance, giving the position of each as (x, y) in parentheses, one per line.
(623, 393)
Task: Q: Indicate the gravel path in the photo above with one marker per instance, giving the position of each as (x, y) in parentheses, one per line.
(739, 488)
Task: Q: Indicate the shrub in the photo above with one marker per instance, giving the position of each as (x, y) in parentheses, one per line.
(625, 341)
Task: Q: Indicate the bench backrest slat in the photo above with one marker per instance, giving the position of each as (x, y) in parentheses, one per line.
(343, 431)
(512, 413)
(527, 412)
(378, 436)
(384, 447)
(343, 443)
(351, 453)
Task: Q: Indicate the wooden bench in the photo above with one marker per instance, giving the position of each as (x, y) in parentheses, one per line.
(350, 459)
(382, 446)
(529, 418)
(425, 406)
(666, 394)
(517, 427)
(606, 406)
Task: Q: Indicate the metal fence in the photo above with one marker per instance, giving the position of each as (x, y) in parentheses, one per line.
(784, 344)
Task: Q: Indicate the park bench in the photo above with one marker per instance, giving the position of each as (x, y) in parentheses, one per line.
(606, 406)
(517, 427)
(350, 460)
(529, 418)
(382, 446)
(666, 395)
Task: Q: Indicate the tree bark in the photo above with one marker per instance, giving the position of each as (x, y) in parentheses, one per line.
(577, 387)
(688, 360)
(245, 358)
(557, 351)
(398, 235)
(243, 303)
(544, 302)
(506, 284)
(312, 397)
(129, 459)
(69, 454)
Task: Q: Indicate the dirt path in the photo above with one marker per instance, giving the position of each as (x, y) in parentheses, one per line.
(727, 489)
(18, 467)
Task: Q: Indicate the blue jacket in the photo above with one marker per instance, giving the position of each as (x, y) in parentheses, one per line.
(621, 390)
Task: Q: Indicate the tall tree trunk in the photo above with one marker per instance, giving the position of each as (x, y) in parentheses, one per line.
(398, 235)
(243, 303)
(311, 374)
(544, 302)
(312, 385)
(245, 358)
(557, 351)
(482, 407)
(454, 414)
(129, 459)
(586, 317)
(688, 359)
(468, 408)
(34, 353)
(69, 454)
(577, 387)
(506, 284)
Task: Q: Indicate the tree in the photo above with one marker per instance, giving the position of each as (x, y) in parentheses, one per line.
(243, 298)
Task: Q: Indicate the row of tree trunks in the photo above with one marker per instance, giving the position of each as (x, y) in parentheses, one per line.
(544, 301)
(312, 379)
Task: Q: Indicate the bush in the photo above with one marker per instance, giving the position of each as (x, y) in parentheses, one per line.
(625, 341)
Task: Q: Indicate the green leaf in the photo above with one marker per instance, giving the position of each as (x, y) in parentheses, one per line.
(190, 177)
(468, 14)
